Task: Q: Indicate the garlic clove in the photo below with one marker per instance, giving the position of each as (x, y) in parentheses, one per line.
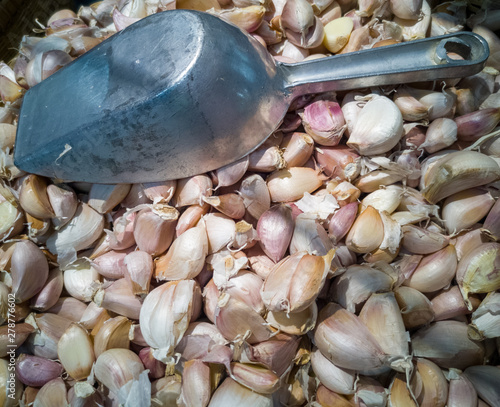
(119, 298)
(255, 195)
(50, 293)
(112, 334)
(111, 265)
(337, 33)
(69, 308)
(255, 377)
(434, 385)
(485, 381)
(332, 377)
(190, 190)
(291, 184)
(476, 272)
(11, 219)
(160, 192)
(461, 392)
(341, 221)
(93, 316)
(346, 341)
(384, 199)
(33, 197)
(446, 343)
(371, 135)
(326, 397)
(231, 393)
(416, 309)
(339, 161)
(449, 303)
(166, 313)
(418, 240)
(155, 367)
(63, 202)
(491, 226)
(229, 204)
(36, 371)
(324, 122)
(399, 393)
(435, 271)
(367, 232)
(139, 270)
(190, 217)
(246, 18)
(165, 391)
(456, 172)
(298, 148)
(232, 173)
(77, 364)
(196, 389)
(52, 394)
(297, 16)
(309, 236)
(464, 209)
(81, 232)
(104, 197)
(352, 288)
(441, 133)
(474, 125)
(154, 230)
(29, 270)
(220, 231)
(81, 280)
(485, 320)
(296, 323)
(410, 107)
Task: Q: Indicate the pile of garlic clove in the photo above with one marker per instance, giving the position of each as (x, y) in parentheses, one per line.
(351, 260)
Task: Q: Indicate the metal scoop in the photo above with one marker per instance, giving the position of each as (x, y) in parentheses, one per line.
(182, 92)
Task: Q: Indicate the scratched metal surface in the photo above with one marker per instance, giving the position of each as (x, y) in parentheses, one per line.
(162, 100)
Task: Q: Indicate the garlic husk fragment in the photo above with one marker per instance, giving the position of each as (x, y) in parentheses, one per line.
(33, 197)
(295, 282)
(476, 272)
(461, 392)
(416, 309)
(29, 270)
(290, 184)
(185, 257)
(462, 210)
(356, 284)
(275, 230)
(196, 389)
(50, 293)
(231, 393)
(63, 202)
(154, 230)
(118, 369)
(440, 134)
(77, 364)
(81, 280)
(118, 297)
(374, 133)
(52, 394)
(367, 232)
(166, 313)
(112, 334)
(139, 271)
(255, 195)
(237, 320)
(434, 390)
(36, 371)
(332, 377)
(346, 341)
(446, 343)
(418, 240)
(456, 172)
(104, 197)
(485, 321)
(435, 271)
(232, 173)
(190, 190)
(255, 377)
(382, 317)
(84, 228)
(485, 380)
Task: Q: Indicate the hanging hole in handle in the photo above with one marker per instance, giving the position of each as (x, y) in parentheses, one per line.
(452, 50)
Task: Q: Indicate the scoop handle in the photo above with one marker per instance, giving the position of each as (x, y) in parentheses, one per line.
(414, 61)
